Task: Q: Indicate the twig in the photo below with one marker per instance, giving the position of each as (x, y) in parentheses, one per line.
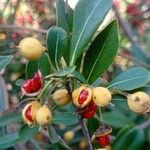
(85, 132)
(13, 28)
(144, 125)
(127, 31)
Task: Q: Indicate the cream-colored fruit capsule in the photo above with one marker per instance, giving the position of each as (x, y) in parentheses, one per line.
(61, 97)
(68, 136)
(138, 102)
(31, 48)
(43, 115)
(101, 96)
(82, 96)
(29, 112)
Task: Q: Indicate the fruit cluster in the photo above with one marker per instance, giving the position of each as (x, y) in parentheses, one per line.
(34, 112)
(87, 99)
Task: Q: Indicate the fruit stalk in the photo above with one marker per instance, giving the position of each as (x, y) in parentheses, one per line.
(85, 132)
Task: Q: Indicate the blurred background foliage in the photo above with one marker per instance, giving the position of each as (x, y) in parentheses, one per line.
(21, 18)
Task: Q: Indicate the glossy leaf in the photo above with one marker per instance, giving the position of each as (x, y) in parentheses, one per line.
(10, 118)
(26, 133)
(116, 119)
(65, 119)
(64, 71)
(78, 76)
(56, 40)
(131, 139)
(43, 64)
(8, 140)
(5, 60)
(130, 79)
(88, 15)
(64, 15)
(54, 138)
(101, 52)
(139, 54)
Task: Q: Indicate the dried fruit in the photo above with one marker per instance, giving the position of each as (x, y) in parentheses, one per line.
(43, 115)
(68, 136)
(82, 96)
(138, 102)
(32, 87)
(101, 96)
(102, 135)
(29, 112)
(61, 97)
(31, 48)
(89, 111)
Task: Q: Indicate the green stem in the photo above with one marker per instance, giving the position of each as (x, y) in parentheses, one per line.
(48, 83)
(100, 114)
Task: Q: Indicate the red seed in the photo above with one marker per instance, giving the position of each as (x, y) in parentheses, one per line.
(27, 86)
(89, 111)
(28, 114)
(103, 140)
(83, 96)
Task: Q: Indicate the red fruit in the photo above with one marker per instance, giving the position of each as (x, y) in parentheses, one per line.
(83, 96)
(103, 140)
(32, 87)
(89, 111)
(28, 114)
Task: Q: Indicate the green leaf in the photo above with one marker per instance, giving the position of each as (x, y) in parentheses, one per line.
(56, 40)
(88, 15)
(101, 52)
(93, 125)
(43, 64)
(5, 60)
(54, 138)
(64, 15)
(26, 133)
(131, 79)
(10, 118)
(132, 139)
(64, 71)
(78, 76)
(8, 140)
(65, 118)
(115, 119)
(139, 54)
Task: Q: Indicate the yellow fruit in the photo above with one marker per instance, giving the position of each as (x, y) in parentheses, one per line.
(29, 112)
(82, 96)
(68, 136)
(43, 115)
(83, 144)
(138, 102)
(31, 48)
(61, 97)
(101, 96)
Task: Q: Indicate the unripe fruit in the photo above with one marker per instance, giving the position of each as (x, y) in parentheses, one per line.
(61, 97)
(29, 112)
(89, 111)
(138, 102)
(82, 96)
(101, 96)
(43, 115)
(69, 136)
(83, 144)
(31, 48)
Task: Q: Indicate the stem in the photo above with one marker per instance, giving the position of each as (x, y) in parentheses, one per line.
(100, 114)
(13, 28)
(85, 132)
(48, 83)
